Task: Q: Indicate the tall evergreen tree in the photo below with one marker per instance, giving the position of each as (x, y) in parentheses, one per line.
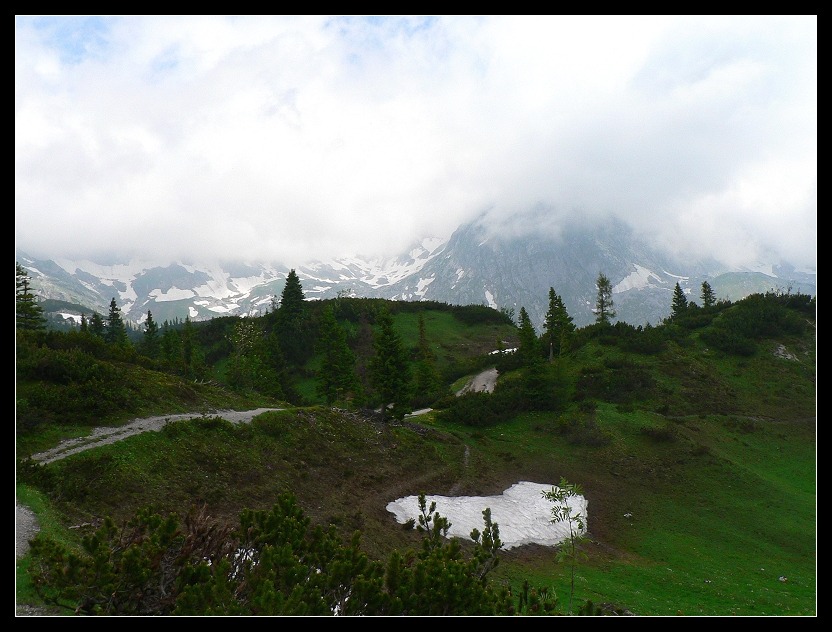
(362, 346)
(557, 327)
(97, 325)
(28, 312)
(427, 382)
(604, 304)
(116, 332)
(529, 350)
(291, 322)
(150, 342)
(255, 361)
(85, 326)
(389, 368)
(680, 302)
(337, 380)
(708, 296)
(171, 345)
(190, 350)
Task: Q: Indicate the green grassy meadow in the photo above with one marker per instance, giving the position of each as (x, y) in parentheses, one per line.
(700, 471)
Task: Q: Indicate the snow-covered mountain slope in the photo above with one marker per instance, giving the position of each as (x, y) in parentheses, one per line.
(474, 266)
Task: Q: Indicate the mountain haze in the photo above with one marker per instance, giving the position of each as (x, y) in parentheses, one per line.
(477, 265)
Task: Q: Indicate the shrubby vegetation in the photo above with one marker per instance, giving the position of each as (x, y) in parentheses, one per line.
(272, 563)
(356, 356)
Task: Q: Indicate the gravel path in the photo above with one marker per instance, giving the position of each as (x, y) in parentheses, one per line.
(26, 525)
(483, 382)
(105, 435)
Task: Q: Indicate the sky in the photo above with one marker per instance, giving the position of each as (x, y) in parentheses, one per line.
(295, 138)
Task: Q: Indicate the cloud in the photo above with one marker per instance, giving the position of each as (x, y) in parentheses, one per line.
(290, 138)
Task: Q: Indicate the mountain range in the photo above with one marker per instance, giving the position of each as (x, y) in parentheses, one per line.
(476, 265)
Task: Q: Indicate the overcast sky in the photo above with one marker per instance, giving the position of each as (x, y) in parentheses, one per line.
(294, 138)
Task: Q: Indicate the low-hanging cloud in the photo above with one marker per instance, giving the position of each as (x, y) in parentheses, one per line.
(294, 138)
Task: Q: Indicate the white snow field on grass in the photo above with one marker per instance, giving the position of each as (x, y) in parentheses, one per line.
(522, 513)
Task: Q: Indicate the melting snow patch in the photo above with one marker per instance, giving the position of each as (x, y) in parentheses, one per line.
(523, 515)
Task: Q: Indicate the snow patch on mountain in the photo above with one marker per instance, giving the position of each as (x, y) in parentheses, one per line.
(173, 294)
(422, 286)
(217, 309)
(380, 272)
(489, 299)
(762, 268)
(637, 280)
(118, 272)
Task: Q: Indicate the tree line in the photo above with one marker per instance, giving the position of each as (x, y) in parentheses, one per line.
(362, 362)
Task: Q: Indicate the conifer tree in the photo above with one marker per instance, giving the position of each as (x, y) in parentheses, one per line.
(97, 325)
(529, 351)
(389, 368)
(291, 322)
(557, 327)
(680, 302)
(151, 337)
(708, 296)
(337, 379)
(171, 344)
(189, 350)
(427, 382)
(116, 332)
(85, 326)
(28, 313)
(604, 304)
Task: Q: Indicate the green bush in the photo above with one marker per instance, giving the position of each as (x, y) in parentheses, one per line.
(475, 409)
(274, 563)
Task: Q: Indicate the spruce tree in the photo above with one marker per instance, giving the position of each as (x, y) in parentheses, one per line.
(337, 379)
(28, 312)
(151, 337)
(604, 304)
(291, 322)
(529, 351)
(427, 382)
(389, 368)
(85, 326)
(191, 356)
(708, 296)
(116, 332)
(557, 327)
(680, 302)
(97, 325)
(171, 345)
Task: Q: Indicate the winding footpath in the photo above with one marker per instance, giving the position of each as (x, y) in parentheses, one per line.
(26, 524)
(105, 435)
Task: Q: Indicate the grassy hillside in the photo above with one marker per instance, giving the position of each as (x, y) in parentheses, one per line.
(699, 464)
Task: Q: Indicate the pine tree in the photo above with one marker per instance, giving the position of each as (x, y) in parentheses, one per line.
(680, 302)
(604, 304)
(529, 351)
(558, 326)
(427, 382)
(97, 325)
(85, 327)
(151, 337)
(389, 368)
(190, 350)
(171, 345)
(291, 322)
(708, 296)
(362, 346)
(337, 379)
(116, 332)
(28, 313)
